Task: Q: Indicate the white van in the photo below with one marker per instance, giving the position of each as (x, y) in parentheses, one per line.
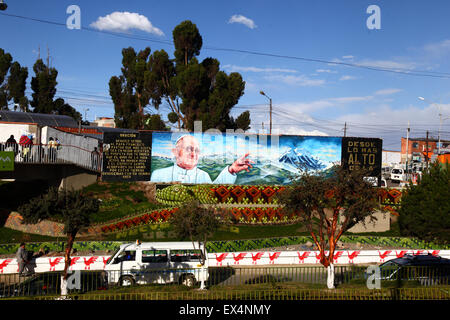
(398, 174)
(157, 262)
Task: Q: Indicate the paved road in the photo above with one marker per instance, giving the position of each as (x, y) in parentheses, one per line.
(232, 276)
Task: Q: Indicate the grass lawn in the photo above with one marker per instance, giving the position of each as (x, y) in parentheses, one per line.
(118, 200)
(125, 199)
(12, 236)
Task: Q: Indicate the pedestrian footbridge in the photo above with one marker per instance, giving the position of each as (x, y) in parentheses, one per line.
(64, 165)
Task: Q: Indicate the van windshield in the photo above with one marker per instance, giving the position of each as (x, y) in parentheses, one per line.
(396, 171)
(112, 256)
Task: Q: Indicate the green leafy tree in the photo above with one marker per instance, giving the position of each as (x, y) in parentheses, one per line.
(425, 207)
(12, 82)
(192, 90)
(127, 90)
(154, 122)
(195, 222)
(329, 206)
(70, 206)
(63, 108)
(43, 85)
(196, 91)
(188, 42)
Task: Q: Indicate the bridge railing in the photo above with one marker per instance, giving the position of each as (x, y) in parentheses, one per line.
(223, 278)
(50, 154)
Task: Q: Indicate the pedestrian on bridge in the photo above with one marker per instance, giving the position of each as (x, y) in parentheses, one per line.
(52, 145)
(22, 260)
(11, 145)
(95, 159)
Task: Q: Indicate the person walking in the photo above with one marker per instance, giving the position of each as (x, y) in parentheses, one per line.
(11, 145)
(51, 149)
(95, 155)
(22, 259)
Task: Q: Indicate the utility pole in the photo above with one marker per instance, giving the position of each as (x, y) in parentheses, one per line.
(426, 157)
(48, 59)
(270, 126)
(407, 145)
(345, 129)
(270, 110)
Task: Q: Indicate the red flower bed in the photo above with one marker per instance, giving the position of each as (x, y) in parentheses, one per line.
(261, 215)
(253, 193)
(151, 217)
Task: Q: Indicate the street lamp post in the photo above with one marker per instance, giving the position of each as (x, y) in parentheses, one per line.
(270, 110)
(3, 5)
(440, 122)
(85, 113)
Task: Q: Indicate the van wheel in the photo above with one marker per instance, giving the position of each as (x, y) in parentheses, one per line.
(188, 280)
(126, 281)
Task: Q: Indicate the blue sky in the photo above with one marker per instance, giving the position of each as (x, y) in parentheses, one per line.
(308, 97)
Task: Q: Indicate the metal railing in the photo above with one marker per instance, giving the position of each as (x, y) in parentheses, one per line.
(232, 280)
(272, 294)
(49, 154)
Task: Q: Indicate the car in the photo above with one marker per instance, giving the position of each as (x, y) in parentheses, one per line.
(427, 269)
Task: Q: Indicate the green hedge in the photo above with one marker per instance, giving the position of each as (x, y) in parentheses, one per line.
(233, 245)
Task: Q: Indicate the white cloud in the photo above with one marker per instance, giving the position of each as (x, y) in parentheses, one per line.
(325, 71)
(237, 18)
(124, 21)
(388, 64)
(385, 92)
(346, 77)
(350, 57)
(438, 49)
(342, 100)
(402, 64)
(298, 81)
(301, 108)
(297, 130)
(234, 68)
(391, 123)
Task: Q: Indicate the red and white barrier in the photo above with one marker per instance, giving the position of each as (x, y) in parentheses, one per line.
(45, 264)
(341, 257)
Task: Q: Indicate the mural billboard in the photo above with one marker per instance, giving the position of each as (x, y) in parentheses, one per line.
(126, 156)
(223, 158)
(362, 153)
(231, 157)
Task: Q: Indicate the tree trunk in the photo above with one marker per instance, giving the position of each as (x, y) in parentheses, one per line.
(63, 286)
(70, 240)
(330, 276)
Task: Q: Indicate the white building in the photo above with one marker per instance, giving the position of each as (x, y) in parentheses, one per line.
(390, 158)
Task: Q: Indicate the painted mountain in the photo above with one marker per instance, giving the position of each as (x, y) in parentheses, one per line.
(294, 159)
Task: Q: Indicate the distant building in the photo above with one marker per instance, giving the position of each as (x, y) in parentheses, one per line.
(30, 123)
(390, 158)
(104, 122)
(417, 149)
